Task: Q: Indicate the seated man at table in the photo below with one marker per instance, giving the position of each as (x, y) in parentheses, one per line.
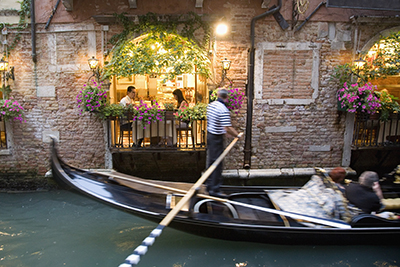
(125, 125)
(367, 194)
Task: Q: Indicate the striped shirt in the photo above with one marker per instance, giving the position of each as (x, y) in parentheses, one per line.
(218, 117)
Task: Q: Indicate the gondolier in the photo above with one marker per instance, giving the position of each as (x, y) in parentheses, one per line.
(218, 124)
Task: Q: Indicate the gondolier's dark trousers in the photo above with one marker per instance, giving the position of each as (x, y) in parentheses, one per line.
(215, 147)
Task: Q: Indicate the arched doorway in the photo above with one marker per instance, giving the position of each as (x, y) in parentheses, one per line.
(385, 44)
(157, 64)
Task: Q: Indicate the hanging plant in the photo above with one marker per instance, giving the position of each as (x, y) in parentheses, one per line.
(11, 109)
(92, 98)
(234, 101)
(355, 98)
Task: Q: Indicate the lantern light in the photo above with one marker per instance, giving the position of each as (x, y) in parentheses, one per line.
(93, 63)
(3, 65)
(226, 64)
(359, 63)
(94, 66)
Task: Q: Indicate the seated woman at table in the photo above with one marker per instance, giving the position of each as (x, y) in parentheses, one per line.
(182, 104)
(178, 95)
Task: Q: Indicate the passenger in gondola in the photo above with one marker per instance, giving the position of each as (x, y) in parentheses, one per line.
(319, 197)
(337, 175)
(367, 194)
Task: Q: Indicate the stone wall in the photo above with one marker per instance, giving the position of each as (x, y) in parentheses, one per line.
(47, 91)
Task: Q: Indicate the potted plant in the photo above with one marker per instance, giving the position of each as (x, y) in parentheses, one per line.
(190, 114)
(147, 114)
(112, 111)
(11, 109)
(355, 98)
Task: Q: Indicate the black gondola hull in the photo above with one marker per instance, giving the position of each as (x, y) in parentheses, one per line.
(148, 207)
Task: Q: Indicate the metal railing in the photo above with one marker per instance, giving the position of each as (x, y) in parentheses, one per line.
(370, 131)
(170, 133)
(3, 134)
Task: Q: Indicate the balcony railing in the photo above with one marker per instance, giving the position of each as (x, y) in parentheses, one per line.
(170, 133)
(370, 131)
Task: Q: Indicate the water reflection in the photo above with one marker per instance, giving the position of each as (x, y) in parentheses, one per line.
(60, 228)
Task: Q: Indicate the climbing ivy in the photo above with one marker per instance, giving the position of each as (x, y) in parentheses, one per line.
(167, 45)
(24, 14)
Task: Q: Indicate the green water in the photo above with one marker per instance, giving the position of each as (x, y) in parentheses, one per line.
(59, 228)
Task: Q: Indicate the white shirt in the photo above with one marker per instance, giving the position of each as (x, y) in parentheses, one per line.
(126, 101)
(218, 117)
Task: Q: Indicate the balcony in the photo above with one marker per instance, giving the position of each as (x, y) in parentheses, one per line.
(371, 132)
(124, 134)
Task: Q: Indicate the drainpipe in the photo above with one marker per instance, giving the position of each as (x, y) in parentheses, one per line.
(33, 31)
(250, 87)
(312, 13)
(52, 14)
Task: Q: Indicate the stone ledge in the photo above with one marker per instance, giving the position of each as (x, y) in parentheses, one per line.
(270, 173)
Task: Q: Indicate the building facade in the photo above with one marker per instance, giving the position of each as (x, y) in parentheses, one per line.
(294, 120)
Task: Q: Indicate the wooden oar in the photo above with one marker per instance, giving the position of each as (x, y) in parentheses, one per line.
(134, 258)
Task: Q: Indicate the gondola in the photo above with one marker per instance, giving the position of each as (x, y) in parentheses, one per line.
(244, 216)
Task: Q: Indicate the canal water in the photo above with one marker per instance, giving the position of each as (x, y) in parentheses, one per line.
(60, 228)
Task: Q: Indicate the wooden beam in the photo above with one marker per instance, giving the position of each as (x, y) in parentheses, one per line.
(132, 4)
(68, 4)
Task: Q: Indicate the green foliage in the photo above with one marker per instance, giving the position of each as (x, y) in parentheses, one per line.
(113, 110)
(343, 73)
(190, 114)
(169, 106)
(24, 13)
(6, 90)
(384, 63)
(388, 104)
(387, 59)
(160, 50)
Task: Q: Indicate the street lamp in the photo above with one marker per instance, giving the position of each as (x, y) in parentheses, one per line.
(4, 70)
(226, 65)
(359, 63)
(93, 64)
(3, 65)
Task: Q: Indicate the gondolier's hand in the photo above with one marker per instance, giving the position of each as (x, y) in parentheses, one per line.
(239, 135)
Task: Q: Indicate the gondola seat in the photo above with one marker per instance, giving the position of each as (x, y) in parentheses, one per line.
(369, 220)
